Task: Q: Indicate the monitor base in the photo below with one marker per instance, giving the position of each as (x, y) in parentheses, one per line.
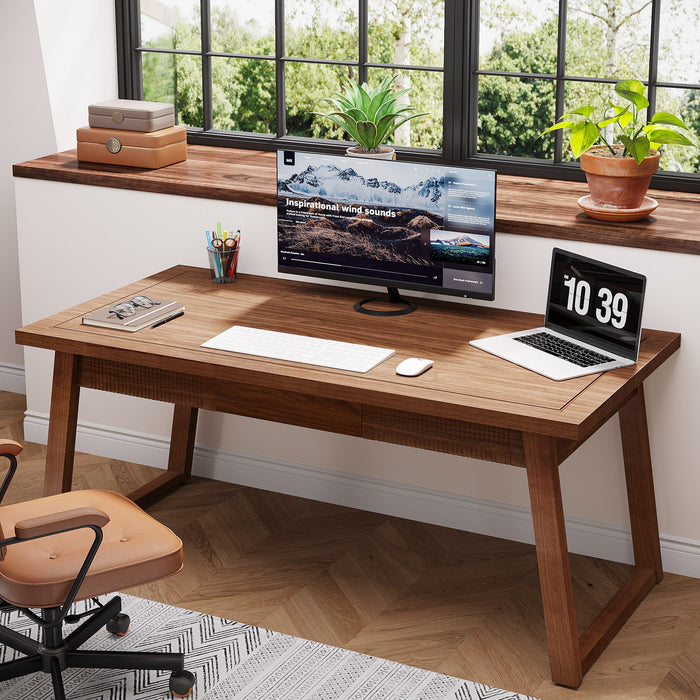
(393, 297)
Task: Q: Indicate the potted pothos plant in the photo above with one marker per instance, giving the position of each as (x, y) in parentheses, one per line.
(370, 116)
(620, 152)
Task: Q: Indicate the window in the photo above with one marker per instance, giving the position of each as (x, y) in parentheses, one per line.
(492, 74)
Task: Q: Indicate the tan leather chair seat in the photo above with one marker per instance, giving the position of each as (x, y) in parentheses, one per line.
(39, 573)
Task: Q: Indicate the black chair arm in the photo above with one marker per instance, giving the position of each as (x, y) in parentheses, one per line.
(9, 449)
(53, 524)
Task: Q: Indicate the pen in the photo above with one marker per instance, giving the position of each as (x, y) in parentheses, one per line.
(170, 318)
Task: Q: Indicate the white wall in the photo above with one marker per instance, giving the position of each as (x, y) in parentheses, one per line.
(479, 496)
(56, 57)
(25, 132)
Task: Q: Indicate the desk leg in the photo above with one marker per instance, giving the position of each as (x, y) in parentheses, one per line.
(182, 440)
(640, 484)
(179, 459)
(63, 420)
(553, 559)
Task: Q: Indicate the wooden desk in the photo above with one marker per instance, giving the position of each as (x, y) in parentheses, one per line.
(469, 404)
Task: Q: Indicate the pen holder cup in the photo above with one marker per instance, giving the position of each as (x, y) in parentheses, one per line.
(222, 265)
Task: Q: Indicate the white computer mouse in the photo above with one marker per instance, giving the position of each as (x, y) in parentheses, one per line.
(413, 366)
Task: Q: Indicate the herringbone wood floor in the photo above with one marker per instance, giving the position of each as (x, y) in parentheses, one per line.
(444, 600)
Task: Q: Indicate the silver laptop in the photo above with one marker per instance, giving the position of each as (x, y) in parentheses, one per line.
(592, 323)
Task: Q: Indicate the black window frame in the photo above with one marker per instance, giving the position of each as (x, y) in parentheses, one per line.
(460, 94)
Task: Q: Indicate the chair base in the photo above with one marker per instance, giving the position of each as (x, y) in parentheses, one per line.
(55, 653)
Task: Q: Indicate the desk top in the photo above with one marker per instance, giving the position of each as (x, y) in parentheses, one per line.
(465, 384)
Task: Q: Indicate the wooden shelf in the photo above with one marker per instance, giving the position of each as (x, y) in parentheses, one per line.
(526, 206)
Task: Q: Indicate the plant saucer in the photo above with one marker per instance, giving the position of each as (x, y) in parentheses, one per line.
(610, 214)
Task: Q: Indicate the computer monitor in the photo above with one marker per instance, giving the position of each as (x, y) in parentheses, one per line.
(392, 223)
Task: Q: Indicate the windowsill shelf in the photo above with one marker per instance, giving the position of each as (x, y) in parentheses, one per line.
(526, 206)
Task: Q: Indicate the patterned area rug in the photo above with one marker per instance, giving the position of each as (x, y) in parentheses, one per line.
(233, 661)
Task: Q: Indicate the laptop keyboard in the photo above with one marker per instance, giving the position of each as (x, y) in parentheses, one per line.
(563, 349)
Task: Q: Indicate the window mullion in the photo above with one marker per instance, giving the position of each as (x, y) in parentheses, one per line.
(560, 85)
(280, 89)
(129, 69)
(654, 55)
(362, 40)
(207, 92)
(454, 87)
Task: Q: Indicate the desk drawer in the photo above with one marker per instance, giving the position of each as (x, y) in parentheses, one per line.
(216, 394)
(444, 435)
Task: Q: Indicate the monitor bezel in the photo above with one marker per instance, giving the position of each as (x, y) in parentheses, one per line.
(388, 282)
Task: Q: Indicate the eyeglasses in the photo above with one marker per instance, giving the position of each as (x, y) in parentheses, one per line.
(128, 308)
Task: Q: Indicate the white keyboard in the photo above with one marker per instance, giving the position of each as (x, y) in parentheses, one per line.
(299, 348)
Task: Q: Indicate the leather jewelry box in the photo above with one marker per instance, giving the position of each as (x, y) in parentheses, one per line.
(154, 149)
(131, 115)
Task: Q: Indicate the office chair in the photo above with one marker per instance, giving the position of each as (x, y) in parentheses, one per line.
(76, 546)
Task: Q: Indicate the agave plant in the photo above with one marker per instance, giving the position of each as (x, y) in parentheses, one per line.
(636, 137)
(370, 115)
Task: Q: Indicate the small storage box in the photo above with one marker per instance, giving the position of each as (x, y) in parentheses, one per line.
(139, 150)
(131, 115)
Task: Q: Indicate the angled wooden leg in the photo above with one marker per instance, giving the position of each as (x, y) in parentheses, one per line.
(63, 420)
(553, 559)
(182, 440)
(179, 458)
(640, 484)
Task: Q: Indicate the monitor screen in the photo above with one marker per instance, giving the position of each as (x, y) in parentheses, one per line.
(596, 303)
(401, 225)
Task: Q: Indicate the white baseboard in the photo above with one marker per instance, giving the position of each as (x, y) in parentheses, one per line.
(12, 378)
(612, 542)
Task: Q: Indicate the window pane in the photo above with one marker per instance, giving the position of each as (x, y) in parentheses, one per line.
(512, 113)
(244, 95)
(407, 32)
(424, 95)
(177, 79)
(319, 29)
(308, 85)
(243, 26)
(171, 24)
(609, 39)
(686, 105)
(679, 57)
(518, 37)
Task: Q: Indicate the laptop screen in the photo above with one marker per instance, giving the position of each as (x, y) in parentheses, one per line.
(595, 303)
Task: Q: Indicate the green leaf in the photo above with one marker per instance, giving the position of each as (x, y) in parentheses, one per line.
(625, 118)
(667, 136)
(377, 101)
(558, 125)
(586, 111)
(638, 148)
(583, 136)
(367, 134)
(632, 91)
(667, 118)
(346, 124)
(617, 117)
(388, 124)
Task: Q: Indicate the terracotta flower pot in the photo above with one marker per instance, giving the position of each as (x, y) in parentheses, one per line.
(615, 182)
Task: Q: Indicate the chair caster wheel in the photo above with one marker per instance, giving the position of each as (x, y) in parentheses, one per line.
(119, 624)
(181, 683)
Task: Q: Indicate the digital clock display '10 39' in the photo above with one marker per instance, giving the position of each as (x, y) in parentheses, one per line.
(597, 301)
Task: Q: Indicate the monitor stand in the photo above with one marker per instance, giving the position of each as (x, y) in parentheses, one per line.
(393, 297)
